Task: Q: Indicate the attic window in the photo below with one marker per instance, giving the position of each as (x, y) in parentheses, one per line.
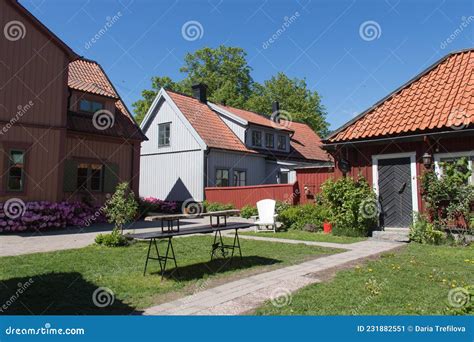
(90, 106)
(281, 142)
(256, 138)
(164, 133)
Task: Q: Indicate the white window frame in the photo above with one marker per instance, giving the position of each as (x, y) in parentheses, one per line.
(413, 175)
(169, 138)
(438, 156)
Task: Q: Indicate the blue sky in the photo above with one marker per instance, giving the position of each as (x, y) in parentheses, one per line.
(325, 43)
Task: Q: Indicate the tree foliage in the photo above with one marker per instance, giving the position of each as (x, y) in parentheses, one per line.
(226, 72)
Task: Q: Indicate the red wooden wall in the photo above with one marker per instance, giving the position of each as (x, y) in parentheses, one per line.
(310, 181)
(240, 196)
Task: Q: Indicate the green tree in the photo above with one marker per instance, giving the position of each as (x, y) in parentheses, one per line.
(121, 207)
(224, 70)
(302, 104)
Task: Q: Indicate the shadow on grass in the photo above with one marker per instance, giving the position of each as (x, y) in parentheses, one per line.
(58, 294)
(199, 270)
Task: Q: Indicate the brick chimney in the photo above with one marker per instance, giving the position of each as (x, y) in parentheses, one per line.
(200, 92)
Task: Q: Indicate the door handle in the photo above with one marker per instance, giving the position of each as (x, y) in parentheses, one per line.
(402, 188)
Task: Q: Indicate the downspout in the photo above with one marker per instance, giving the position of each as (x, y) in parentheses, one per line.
(206, 168)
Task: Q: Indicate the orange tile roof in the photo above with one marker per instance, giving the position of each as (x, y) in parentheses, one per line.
(88, 76)
(208, 124)
(305, 142)
(440, 97)
(254, 118)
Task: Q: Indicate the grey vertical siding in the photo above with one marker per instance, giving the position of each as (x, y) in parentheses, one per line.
(176, 172)
(254, 165)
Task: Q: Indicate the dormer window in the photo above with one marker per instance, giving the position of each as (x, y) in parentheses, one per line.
(269, 140)
(89, 106)
(281, 142)
(256, 138)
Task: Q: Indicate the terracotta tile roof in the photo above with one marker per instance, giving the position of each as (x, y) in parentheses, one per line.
(441, 97)
(208, 124)
(305, 142)
(252, 117)
(88, 76)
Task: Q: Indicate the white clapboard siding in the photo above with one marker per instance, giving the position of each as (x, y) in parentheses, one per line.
(238, 129)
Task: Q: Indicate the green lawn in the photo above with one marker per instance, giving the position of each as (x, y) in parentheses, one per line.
(64, 281)
(414, 281)
(307, 236)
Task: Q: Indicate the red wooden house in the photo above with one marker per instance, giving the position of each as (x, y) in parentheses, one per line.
(65, 134)
(427, 120)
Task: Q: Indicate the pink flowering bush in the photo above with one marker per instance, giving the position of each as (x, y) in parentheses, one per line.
(45, 215)
(152, 204)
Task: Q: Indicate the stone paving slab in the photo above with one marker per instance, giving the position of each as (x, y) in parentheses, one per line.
(240, 296)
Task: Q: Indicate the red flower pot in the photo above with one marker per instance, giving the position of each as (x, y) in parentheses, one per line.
(327, 227)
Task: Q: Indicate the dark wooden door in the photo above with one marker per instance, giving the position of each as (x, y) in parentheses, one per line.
(395, 192)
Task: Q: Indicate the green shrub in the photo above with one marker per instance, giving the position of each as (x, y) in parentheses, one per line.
(114, 239)
(121, 207)
(281, 206)
(296, 217)
(424, 232)
(215, 206)
(352, 205)
(248, 211)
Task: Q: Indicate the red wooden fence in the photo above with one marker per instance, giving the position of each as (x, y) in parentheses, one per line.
(310, 181)
(308, 184)
(240, 196)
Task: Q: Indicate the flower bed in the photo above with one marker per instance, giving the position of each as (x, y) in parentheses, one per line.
(47, 215)
(152, 204)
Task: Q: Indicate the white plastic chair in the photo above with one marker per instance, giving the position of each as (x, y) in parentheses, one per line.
(266, 215)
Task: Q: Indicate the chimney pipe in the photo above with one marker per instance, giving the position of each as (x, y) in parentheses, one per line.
(275, 112)
(200, 92)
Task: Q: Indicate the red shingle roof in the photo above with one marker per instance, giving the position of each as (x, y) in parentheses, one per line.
(254, 118)
(441, 97)
(87, 76)
(208, 124)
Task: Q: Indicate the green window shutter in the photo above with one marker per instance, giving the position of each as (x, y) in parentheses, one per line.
(70, 176)
(111, 177)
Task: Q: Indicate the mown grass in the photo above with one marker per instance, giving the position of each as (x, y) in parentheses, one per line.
(63, 282)
(307, 236)
(414, 281)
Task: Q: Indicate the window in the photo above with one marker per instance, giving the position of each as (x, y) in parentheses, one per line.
(284, 177)
(90, 176)
(240, 178)
(90, 106)
(282, 142)
(256, 138)
(269, 140)
(164, 132)
(16, 170)
(445, 158)
(222, 177)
